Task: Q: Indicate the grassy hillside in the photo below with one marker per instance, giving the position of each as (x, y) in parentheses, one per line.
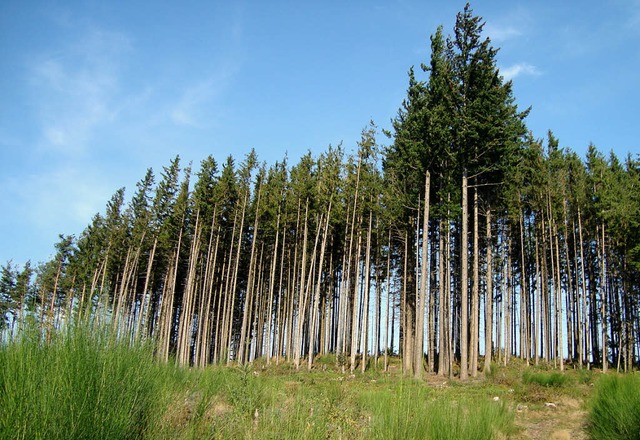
(87, 384)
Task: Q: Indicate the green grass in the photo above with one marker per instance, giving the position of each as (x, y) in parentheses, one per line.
(89, 384)
(615, 409)
(418, 412)
(546, 379)
(83, 384)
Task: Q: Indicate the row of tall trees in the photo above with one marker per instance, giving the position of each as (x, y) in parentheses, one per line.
(464, 240)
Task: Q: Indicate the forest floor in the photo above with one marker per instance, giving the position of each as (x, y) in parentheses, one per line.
(544, 402)
(557, 411)
(544, 414)
(566, 420)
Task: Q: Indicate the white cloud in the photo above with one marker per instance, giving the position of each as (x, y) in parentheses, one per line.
(198, 101)
(75, 90)
(514, 23)
(502, 33)
(48, 200)
(511, 72)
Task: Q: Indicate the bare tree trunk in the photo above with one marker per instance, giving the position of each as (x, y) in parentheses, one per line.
(206, 312)
(432, 315)
(272, 283)
(603, 295)
(537, 346)
(524, 298)
(558, 290)
(146, 295)
(422, 293)
(443, 303)
(464, 312)
(315, 312)
(365, 301)
(389, 301)
(280, 315)
(582, 300)
(448, 308)
(355, 308)
(378, 301)
(475, 289)
(246, 316)
(297, 343)
(488, 316)
(168, 298)
(185, 327)
(406, 318)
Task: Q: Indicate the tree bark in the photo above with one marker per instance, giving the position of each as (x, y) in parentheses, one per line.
(464, 312)
(488, 317)
(422, 293)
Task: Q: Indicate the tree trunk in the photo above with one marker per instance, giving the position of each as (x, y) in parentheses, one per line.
(315, 312)
(422, 293)
(464, 312)
(475, 290)
(488, 323)
(365, 300)
(246, 316)
(389, 301)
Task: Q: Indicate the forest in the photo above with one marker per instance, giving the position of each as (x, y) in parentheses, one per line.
(456, 239)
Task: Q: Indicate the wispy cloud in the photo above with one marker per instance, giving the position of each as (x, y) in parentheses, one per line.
(190, 106)
(198, 101)
(502, 33)
(62, 199)
(511, 72)
(75, 89)
(514, 23)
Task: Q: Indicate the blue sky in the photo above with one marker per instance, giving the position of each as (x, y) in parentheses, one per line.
(94, 92)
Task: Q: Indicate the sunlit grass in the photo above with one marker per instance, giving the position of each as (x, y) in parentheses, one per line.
(418, 412)
(615, 409)
(546, 379)
(82, 384)
(89, 384)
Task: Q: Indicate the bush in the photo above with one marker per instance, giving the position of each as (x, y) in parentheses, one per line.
(615, 409)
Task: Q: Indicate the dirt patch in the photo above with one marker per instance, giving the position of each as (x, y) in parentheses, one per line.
(562, 420)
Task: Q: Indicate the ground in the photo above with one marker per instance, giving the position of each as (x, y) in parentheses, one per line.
(562, 420)
(542, 412)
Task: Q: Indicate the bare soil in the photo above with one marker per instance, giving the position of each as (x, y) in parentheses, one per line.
(561, 420)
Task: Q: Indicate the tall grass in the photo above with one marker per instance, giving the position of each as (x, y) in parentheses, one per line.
(84, 383)
(416, 412)
(87, 383)
(615, 409)
(545, 379)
